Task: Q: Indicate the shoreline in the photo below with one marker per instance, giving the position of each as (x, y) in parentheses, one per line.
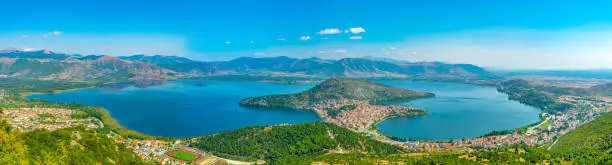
(112, 123)
(106, 118)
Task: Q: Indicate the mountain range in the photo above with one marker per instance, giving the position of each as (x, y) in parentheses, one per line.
(49, 65)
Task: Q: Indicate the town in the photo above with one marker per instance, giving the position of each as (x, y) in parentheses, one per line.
(355, 115)
(27, 119)
(360, 115)
(552, 127)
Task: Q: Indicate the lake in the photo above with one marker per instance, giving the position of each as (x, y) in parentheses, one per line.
(186, 108)
(191, 108)
(458, 111)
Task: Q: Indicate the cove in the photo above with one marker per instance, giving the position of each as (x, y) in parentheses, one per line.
(458, 111)
(196, 108)
(186, 108)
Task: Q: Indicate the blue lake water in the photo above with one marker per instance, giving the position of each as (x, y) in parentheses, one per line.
(458, 111)
(188, 108)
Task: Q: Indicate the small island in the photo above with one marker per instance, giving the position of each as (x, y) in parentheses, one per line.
(353, 104)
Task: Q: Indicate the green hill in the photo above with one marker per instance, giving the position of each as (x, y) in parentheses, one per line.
(603, 89)
(289, 144)
(333, 91)
(64, 146)
(591, 142)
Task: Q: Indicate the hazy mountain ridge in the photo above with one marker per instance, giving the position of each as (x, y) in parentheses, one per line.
(48, 65)
(347, 67)
(603, 89)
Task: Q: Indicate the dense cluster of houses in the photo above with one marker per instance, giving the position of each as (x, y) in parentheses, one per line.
(362, 115)
(27, 119)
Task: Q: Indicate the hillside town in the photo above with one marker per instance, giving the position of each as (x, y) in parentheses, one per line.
(360, 115)
(553, 126)
(28, 119)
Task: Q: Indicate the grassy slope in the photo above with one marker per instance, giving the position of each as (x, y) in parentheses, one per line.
(591, 142)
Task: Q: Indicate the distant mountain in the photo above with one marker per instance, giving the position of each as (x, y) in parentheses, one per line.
(335, 90)
(357, 67)
(603, 89)
(48, 65)
(177, 64)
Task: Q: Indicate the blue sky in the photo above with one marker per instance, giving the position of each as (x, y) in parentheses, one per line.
(542, 34)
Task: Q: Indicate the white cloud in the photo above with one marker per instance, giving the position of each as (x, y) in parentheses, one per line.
(259, 54)
(57, 33)
(340, 51)
(28, 49)
(281, 39)
(346, 31)
(25, 36)
(228, 42)
(392, 48)
(414, 52)
(329, 31)
(357, 30)
(322, 52)
(45, 36)
(304, 38)
(355, 37)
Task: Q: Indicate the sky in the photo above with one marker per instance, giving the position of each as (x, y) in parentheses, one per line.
(519, 34)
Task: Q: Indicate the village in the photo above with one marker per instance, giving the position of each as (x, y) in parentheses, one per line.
(548, 131)
(360, 115)
(29, 119)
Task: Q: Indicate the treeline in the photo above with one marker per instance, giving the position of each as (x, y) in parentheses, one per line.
(289, 144)
(64, 146)
(540, 97)
(28, 85)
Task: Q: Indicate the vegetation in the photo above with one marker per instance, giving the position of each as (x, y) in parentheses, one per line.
(64, 146)
(538, 96)
(334, 91)
(333, 112)
(589, 144)
(289, 144)
(603, 89)
(37, 86)
(184, 155)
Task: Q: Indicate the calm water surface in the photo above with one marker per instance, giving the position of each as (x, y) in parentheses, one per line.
(458, 111)
(187, 108)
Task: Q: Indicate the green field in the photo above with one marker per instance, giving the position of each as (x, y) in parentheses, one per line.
(545, 125)
(184, 155)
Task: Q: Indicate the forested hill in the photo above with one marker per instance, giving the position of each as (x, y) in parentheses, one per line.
(290, 144)
(335, 90)
(603, 89)
(64, 146)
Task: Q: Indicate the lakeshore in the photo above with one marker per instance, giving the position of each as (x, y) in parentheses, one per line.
(420, 145)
